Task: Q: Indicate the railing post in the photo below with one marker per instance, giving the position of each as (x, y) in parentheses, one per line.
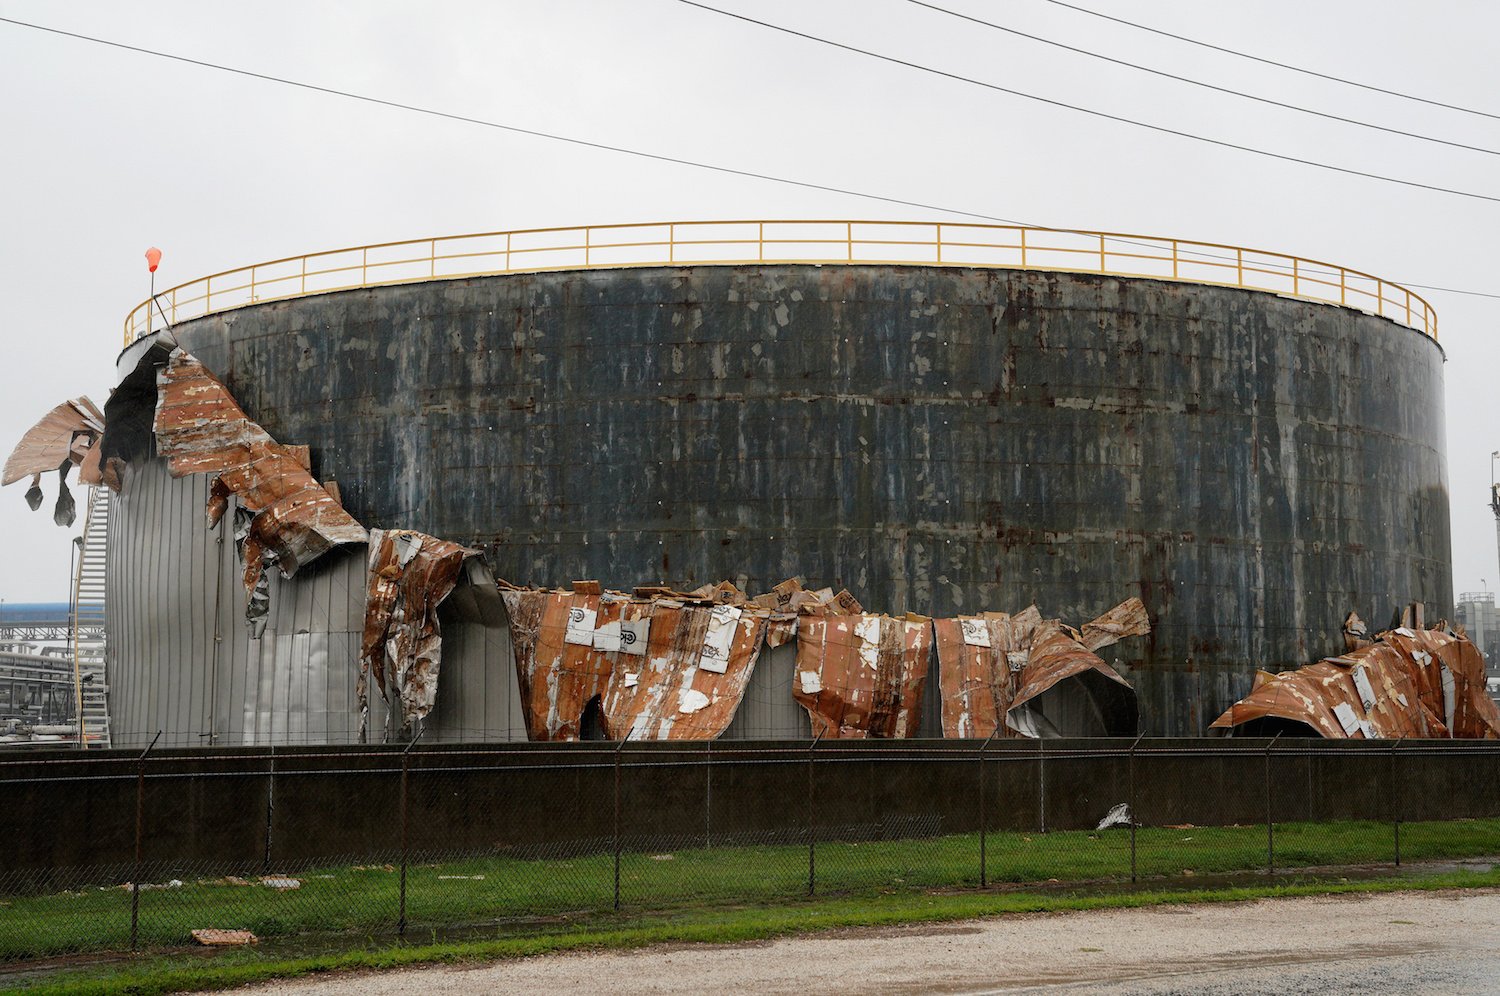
(1396, 803)
(983, 856)
(405, 835)
(1270, 827)
(364, 266)
(1239, 267)
(1023, 247)
(588, 238)
(1103, 268)
(1296, 277)
(1343, 286)
(812, 839)
(849, 239)
(1133, 820)
(140, 827)
(1174, 259)
(940, 243)
(618, 749)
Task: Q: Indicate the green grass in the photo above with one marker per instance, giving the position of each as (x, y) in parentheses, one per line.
(520, 902)
(182, 972)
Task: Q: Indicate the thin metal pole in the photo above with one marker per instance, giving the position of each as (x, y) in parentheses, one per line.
(812, 840)
(1396, 802)
(617, 823)
(983, 855)
(140, 826)
(1270, 827)
(405, 825)
(1132, 805)
(1041, 782)
(265, 865)
(708, 796)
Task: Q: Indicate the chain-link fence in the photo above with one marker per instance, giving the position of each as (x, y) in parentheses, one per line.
(323, 847)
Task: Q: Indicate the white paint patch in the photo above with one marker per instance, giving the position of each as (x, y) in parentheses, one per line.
(580, 626)
(1450, 699)
(867, 631)
(1365, 689)
(976, 633)
(722, 623)
(691, 700)
(812, 682)
(1344, 713)
(632, 678)
(607, 637)
(634, 635)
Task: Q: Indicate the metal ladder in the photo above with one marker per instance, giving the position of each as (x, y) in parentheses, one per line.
(86, 615)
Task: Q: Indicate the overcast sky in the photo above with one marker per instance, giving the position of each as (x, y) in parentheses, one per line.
(107, 152)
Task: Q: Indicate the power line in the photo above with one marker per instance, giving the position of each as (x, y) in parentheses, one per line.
(657, 157)
(1273, 62)
(1200, 83)
(1090, 111)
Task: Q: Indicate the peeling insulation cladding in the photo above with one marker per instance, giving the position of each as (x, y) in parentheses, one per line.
(941, 441)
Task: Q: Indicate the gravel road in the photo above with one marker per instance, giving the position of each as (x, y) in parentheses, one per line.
(1436, 942)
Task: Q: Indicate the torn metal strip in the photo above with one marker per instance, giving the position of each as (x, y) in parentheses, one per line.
(200, 429)
(410, 573)
(1010, 676)
(861, 676)
(66, 437)
(1414, 683)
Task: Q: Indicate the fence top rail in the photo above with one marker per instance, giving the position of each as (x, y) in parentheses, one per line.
(782, 241)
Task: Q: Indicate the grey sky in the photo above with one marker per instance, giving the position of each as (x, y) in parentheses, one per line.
(108, 152)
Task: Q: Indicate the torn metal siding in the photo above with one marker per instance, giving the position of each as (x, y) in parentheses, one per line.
(861, 676)
(663, 665)
(699, 660)
(409, 576)
(289, 520)
(1020, 675)
(66, 437)
(1408, 683)
(200, 429)
(558, 670)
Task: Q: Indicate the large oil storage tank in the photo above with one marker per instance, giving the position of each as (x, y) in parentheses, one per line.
(1252, 444)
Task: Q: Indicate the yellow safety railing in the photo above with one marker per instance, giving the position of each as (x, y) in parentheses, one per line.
(739, 242)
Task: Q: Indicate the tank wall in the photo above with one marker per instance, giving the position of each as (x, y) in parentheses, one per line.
(172, 587)
(937, 439)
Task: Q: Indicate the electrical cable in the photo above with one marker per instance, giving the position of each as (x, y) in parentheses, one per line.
(1272, 62)
(601, 146)
(1091, 111)
(1200, 83)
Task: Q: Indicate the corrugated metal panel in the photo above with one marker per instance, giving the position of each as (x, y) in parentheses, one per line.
(175, 586)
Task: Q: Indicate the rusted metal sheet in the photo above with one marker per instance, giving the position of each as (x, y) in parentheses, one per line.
(1420, 683)
(663, 665)
(410, 574)
(1019, 675)
(861, 676)
(200, 429)
(66, 437)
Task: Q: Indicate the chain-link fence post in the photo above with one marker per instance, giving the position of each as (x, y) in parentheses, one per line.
(708, 795)
(140, 827)
(812, 838)
(618, 749)
(1041, 784)
(983, 857)
(1270, 826)
(405, 831)
(265, 865)
(1132, 810)
(1396, 803)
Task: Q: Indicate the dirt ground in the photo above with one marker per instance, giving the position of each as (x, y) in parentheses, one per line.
(1394, 942)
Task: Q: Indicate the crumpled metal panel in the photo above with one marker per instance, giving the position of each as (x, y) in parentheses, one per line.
(200, 429)
(1419, 683)
(699, 658)
(663, 665)
(410, 573)
(993, 668)
(67, 436)
(861, 676)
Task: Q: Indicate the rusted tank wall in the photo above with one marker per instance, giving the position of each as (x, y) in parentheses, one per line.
(938, 440)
